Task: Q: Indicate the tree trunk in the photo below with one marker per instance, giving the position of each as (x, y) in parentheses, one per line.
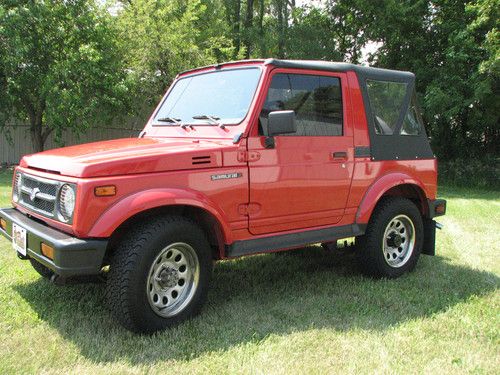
(39, 132)
(262, 42)
(35, 113)
(236, 28)
(282, 26)
(37, 138)
(233, 16)
(248, 28)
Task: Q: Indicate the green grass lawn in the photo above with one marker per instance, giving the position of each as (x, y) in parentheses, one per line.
(298, 313)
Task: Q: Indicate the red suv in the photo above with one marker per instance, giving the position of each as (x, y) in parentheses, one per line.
(238, 158)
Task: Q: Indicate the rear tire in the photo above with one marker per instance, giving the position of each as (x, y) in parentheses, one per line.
(43, 271)
(159, 274)
(393, 240)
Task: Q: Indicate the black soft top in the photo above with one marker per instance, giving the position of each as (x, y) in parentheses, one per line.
(364, 71)
(382, 147)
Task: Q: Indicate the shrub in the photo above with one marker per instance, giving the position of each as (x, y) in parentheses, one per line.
(482, 173)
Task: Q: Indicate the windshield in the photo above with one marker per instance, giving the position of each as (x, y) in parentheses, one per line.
(222, 95)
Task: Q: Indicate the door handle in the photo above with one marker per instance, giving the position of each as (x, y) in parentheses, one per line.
(339, 155)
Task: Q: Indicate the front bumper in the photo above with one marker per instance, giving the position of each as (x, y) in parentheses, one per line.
(72, 256)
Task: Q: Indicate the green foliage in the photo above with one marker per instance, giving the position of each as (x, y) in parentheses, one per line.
(453, 48)
(158, 39)
(70, 64)
(58, 65)
(463, 101)
(451, 45)
(307, 37)
(478, 173)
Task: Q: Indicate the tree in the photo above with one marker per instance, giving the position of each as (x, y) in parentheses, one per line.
(453, 48)
(233, 17)
(332, 33)
(160, 38)
(248, 24)
(58, 66)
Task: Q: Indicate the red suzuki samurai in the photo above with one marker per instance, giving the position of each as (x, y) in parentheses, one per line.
(238, 158)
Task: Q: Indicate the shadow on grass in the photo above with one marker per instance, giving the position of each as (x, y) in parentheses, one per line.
(255, 297)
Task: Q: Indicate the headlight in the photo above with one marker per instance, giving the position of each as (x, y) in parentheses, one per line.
(67, 198)
(16, 189)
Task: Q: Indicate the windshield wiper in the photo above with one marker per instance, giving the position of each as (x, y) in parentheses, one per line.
(172, 120)
(212, 119)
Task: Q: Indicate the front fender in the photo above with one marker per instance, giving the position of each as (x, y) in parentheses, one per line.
(379, 188)
(141, 201)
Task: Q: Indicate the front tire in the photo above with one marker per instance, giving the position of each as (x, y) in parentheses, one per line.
(159, 275)
(393, 240)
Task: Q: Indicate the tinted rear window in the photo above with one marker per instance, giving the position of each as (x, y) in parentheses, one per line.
(412, 123)
(386, 99)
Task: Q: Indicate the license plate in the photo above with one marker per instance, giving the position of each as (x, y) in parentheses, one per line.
(19, 239)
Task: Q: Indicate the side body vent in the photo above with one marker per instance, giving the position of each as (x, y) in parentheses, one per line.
(201, 160)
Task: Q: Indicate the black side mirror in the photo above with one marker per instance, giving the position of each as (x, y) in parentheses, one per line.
(281, 122)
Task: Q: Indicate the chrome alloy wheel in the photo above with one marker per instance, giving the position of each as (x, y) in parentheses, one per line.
(398, 241)
(173, 279)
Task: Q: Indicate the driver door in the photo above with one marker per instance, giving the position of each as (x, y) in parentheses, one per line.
(304, 180)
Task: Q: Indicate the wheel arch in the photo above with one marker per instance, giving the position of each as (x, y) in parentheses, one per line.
(204, 219)
(397, 184)
(139, 206)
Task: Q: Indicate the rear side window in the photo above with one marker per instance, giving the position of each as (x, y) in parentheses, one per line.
(316, 100)
(412, 123)
(386, 99)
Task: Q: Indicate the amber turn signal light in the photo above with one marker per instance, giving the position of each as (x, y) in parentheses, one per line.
(105, 191)
(440, 209)
(3, 224)
(47, 251)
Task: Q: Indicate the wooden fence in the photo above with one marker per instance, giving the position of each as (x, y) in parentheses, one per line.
(11, 153)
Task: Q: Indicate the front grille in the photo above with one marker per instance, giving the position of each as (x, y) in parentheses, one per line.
(46, 188)
(39, 194)
(39, 204)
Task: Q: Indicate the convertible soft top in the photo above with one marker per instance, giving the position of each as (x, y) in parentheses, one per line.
(320, 65)
(393, 146)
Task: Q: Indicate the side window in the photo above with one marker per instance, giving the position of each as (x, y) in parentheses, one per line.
(316, 100)
(412, 123)
(386, 99)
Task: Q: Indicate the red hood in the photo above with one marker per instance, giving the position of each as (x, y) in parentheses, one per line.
(127, 156)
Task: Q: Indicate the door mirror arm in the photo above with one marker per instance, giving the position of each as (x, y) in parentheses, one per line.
(269, 142)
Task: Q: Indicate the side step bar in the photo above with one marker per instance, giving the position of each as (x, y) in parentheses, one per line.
(287, 241)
